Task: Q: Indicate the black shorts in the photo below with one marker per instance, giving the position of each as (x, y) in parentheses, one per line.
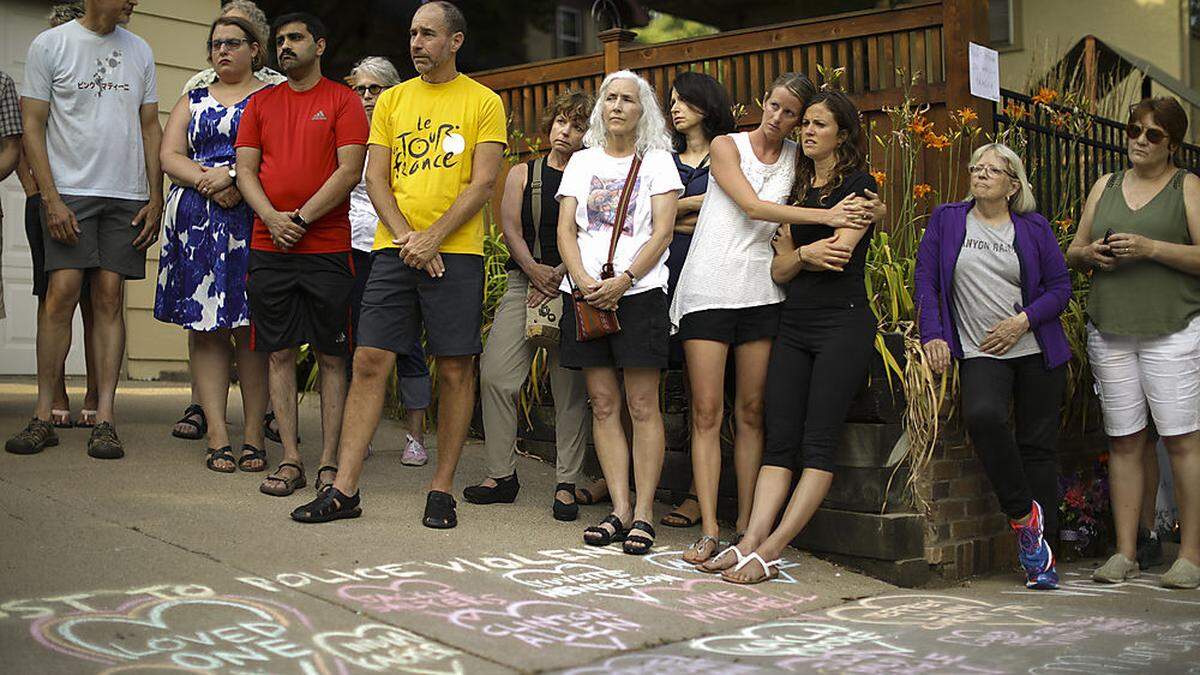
(399, 299)
(641, 342)
(731, 326)
(300, 298)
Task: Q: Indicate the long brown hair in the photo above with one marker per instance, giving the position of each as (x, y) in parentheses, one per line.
(851, 152)
(797, 84)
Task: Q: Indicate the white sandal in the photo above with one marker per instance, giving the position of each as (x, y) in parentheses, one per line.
(770, 569)
(740, 558)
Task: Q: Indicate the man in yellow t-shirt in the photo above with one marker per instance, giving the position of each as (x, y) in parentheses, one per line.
(433, 157)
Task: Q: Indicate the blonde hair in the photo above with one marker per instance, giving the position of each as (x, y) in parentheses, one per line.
(651, 127)
(1023, 200)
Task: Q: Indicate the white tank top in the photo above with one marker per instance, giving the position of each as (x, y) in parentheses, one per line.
(728, 265)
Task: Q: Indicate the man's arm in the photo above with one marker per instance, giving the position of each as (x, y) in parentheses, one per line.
(60, 221)
(422, 246)
(338, 186)
(150, 216)
(284, 232)
(379, 189)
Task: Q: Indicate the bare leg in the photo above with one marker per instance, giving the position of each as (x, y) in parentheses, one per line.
(1185, 468)
(61, 401)
(108, 309)
(54, 335)
(333, 404)
(364, 407)
(91, 396)
(182, 427)
(649, 437)
(707, 378)
(1126, 483)
(770, 493)
(282, 378)
(608, 434)
(211, 355)
(1149, 482)
(252, 379)
(806, 499)
(456, 404)
(414, 422)
(752, 359)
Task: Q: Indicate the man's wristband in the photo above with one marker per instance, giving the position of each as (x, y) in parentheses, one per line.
(299, 220)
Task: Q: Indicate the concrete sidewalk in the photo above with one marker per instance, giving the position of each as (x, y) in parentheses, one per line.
(154, 563)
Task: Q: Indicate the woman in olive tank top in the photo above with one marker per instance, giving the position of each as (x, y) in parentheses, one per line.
(1140, 235)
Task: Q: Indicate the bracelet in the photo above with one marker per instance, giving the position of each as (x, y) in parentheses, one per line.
(632, 279)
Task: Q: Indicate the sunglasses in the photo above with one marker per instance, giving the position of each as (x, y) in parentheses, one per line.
(232, 43)
(374, 89)
(1154, 136)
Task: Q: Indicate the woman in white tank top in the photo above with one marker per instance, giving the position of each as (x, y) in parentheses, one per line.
(726, 298)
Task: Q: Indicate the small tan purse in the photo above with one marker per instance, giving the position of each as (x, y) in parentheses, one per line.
(541, 322)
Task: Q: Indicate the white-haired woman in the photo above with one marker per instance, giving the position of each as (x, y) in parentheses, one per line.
(991, 282)
(369, 78)
(627, 140)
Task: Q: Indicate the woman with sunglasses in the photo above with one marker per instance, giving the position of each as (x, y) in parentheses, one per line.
(202, 268)
(990, 285)
(1140, 234)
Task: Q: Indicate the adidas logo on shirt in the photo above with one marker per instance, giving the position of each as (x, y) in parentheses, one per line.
(319, 117)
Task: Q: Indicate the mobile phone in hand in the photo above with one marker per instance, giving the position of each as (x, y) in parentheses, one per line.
(1107, 235)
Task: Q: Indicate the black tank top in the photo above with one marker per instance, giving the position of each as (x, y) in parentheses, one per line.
(547, 230)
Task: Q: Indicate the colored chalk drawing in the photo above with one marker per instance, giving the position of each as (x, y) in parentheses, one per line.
(934, 612)
(673, 560)
(710, 600)
(381, 648)
(661, 664)
(571, 579)
(793, 638)
(416, 595)
(540, 623)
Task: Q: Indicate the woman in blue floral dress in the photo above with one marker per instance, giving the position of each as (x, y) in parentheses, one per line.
(202, 268)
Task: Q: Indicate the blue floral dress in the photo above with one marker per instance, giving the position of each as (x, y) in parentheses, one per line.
(202, 268)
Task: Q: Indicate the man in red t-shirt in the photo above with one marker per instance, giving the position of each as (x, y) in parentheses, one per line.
(300, 150)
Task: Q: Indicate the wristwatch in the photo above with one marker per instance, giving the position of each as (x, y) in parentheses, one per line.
(299, 220)
(232, 172)
(632, 278)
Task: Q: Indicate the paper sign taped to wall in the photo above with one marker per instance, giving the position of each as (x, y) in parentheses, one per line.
(985, 72)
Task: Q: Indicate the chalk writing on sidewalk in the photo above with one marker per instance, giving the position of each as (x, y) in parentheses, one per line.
(934, 612)
(658, 664)
(571, 579)
(416, 595)
(711, 600)
(541, 623)
(793, 638)
(379, 648)
(39, 608)
(673, 560)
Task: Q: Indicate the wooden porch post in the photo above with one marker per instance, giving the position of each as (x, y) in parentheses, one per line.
(964, 21)
(1090, 67)
(614, 39)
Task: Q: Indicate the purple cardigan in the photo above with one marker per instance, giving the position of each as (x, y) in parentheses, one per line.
(1045, 282)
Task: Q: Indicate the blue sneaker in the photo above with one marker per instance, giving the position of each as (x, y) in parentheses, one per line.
(1035, 554)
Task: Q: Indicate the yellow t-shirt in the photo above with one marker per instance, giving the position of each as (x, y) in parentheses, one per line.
(432, 131)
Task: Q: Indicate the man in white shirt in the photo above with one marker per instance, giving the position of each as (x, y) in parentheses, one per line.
(90, 110)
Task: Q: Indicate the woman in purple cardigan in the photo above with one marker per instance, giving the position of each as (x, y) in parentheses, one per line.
(991, 282)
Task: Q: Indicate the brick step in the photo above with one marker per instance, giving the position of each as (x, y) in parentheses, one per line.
(890, 536)
(907, 573)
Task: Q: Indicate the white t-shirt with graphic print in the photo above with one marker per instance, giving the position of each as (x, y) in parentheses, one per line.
(96, 85)
(595, 179)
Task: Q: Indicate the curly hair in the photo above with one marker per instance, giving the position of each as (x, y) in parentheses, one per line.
(67, 11)
(257, 17)
(575, 105)
(710, 99)
(851, 152)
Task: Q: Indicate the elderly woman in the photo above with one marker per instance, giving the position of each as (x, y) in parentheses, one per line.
(202, 269)
(991, 283)
(621, 190)
(369, 78)
(1140, 235)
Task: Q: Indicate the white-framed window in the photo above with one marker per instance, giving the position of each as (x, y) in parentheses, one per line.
(1002, 23)
(568, 31)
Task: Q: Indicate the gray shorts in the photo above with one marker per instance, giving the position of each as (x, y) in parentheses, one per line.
(105, 238)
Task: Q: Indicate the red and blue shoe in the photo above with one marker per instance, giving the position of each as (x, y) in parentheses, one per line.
(1035, 554)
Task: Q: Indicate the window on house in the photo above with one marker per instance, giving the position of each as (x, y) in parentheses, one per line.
(568, 32)
(1001, 23)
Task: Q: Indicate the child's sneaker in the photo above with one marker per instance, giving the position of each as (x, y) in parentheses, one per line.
(1035, 554)
(414, 452)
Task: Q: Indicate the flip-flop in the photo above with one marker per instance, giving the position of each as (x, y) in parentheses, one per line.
(61, 419)
(707, 570)
(770, 570)
(190, 414)
(87, 419)
(680, 520)
(698, 546)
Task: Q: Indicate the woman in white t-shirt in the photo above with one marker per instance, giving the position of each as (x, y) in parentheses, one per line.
(625, 123)
(725, 299)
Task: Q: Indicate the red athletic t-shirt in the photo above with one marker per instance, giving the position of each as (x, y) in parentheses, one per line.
(299, 134)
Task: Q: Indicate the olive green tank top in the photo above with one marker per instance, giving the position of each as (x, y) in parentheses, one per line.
(1143, 298)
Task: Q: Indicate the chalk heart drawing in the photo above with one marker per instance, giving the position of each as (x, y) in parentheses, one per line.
(534, 577)
(673, 560)
(539, 623)
(381, 648)
(197, 634)
(933, 612)
(658, 664)
(419, 595)
(803, 639)
(723, 600)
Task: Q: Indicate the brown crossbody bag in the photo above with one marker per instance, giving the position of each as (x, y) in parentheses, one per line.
(592, 323)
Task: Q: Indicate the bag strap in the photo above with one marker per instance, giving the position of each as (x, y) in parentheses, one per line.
(607, 272)
(535, 203)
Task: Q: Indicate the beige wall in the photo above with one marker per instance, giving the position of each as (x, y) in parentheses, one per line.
(176, 31)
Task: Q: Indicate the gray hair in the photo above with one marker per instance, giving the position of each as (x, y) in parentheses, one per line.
(1023, 201)
(256, 16)
(651, 127)
(65, 12)
(377, 68)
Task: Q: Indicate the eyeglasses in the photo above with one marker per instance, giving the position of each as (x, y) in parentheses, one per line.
(1154, 136)
(232, 43)
(374, 89)
(987, 171)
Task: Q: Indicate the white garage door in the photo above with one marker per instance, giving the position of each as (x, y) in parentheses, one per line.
(20, 21)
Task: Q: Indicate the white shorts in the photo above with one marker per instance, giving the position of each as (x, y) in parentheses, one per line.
(1161, 373)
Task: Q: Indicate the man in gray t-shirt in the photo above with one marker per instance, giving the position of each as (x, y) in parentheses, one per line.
(90, 111)
(987, 288)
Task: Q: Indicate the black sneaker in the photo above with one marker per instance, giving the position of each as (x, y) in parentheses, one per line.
(439, 511)
(35, 437)
(329, 505)
(1149, 550)
(104, 443)
(504, 492)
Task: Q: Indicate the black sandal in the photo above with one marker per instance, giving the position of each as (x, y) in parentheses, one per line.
(220, 454)
(562, 510)
(677, 519)
(191, 414)
(290, 485)
(249, 454)
(271, 433)
(603, 536)
(585, 497)
(439, 511)
(320, 484)
(636, 544)
(329, 505)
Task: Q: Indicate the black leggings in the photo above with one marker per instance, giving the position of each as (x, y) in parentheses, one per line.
(1023, 467)
(818, 364)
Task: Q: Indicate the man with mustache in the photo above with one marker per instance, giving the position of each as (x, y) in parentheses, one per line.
(300, 150)
(90, 112)
(435, 150)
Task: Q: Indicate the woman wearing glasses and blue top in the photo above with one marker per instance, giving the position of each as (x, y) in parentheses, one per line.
(991, 282)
